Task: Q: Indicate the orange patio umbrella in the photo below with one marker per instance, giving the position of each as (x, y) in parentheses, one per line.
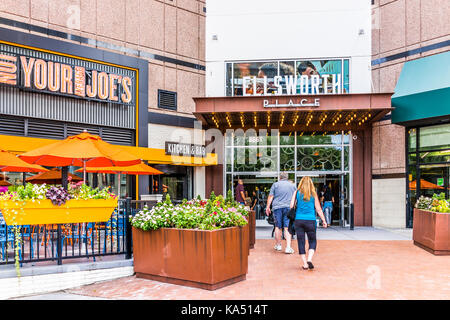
(53, 176)
(82, 150)
(424, 185)
(4, 183)
(138, 169)
(11, 163)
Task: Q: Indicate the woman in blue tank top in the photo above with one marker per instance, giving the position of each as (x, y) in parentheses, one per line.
(305, 218)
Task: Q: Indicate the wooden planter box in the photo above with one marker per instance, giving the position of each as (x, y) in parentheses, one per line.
(431, 231)
(252, 228)
(44, 212)
(197, 258)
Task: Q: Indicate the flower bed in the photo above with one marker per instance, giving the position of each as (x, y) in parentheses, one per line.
(431, 224)
(211, 214)
(200, 243)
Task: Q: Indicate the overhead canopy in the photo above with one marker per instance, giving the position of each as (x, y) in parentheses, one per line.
(325, 112)
(423, 89)
(19, 145)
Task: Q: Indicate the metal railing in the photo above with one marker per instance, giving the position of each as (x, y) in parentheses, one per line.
(69, 241)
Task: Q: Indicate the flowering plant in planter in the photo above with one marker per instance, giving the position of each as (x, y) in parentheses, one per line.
(437, 203)
(213, 213)
(58, 196)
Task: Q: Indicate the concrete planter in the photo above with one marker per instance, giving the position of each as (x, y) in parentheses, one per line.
(431, 231)
(197, 258)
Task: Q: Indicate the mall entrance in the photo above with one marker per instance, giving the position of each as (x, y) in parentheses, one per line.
(257, 189)
(259, 160)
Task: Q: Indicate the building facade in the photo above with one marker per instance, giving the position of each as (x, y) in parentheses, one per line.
(410, 44)
(125, 70)
(290, 88)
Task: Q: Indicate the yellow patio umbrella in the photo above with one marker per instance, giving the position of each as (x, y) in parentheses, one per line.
(138, 169)
(82, 150)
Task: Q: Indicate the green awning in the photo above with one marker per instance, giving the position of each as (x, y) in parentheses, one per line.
(423, 89)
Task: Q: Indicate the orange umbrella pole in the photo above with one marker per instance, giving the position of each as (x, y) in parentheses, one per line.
(118, 187)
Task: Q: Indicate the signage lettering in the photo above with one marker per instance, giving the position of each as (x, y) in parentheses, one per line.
(185, 149)
(300, 102)
(303, 85)
(50, 76)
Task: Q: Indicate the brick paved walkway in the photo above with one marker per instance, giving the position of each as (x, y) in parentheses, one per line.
(344, 270)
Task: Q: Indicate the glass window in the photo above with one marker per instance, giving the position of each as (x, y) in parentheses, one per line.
(287, 159)
(253, 159)
(254, 70)
(318, 139)
(434, 156)
(251, 137)
(320, 67)
(432, 180)
(228, 158)
(412, 139)
(287, 138)
(319, 159)
(435, 137)
(346, 76)
(229, 86)
(290, 73)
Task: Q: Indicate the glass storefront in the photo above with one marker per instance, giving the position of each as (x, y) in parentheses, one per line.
(259, 160)
(428, 164)
(177, 182)
(236, 71)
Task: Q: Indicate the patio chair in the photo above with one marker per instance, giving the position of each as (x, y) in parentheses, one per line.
(7, 236)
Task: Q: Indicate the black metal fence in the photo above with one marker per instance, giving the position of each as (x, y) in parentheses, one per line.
(68, 241)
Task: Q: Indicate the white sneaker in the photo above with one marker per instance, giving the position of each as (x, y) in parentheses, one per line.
(289, 250)
(277, 247)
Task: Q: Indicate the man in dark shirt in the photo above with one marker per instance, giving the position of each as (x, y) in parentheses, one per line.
(239, 194)
(328, 201)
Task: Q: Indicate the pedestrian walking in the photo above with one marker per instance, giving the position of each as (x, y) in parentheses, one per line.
(239, 194)
(328, 202)
(305, 219)
(280, 197)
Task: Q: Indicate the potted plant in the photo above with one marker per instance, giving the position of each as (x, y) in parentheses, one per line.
(46, 204)
(431, 224)
(199, 243)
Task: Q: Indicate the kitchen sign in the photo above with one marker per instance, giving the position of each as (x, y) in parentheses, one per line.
(185, 149)
(49, 76)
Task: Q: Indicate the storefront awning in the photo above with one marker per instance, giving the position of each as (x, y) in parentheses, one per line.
(293, 112)
(20, 145)
(423, 89)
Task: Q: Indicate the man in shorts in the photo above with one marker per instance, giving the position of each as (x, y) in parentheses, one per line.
(280, 197)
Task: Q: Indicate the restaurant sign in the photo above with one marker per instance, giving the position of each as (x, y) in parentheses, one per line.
(53, 76)
(185, 149)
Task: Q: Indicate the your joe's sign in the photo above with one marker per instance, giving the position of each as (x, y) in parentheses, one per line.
(185, 149)
(48, 75)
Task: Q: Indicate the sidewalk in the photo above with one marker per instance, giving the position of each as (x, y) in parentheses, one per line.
(264, 231)
(366, 263)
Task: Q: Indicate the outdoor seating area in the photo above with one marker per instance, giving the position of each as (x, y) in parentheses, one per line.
(56, 215)
(40, 242)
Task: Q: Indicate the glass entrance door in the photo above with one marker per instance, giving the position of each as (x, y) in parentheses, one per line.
(339, 185)
(257, 188)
